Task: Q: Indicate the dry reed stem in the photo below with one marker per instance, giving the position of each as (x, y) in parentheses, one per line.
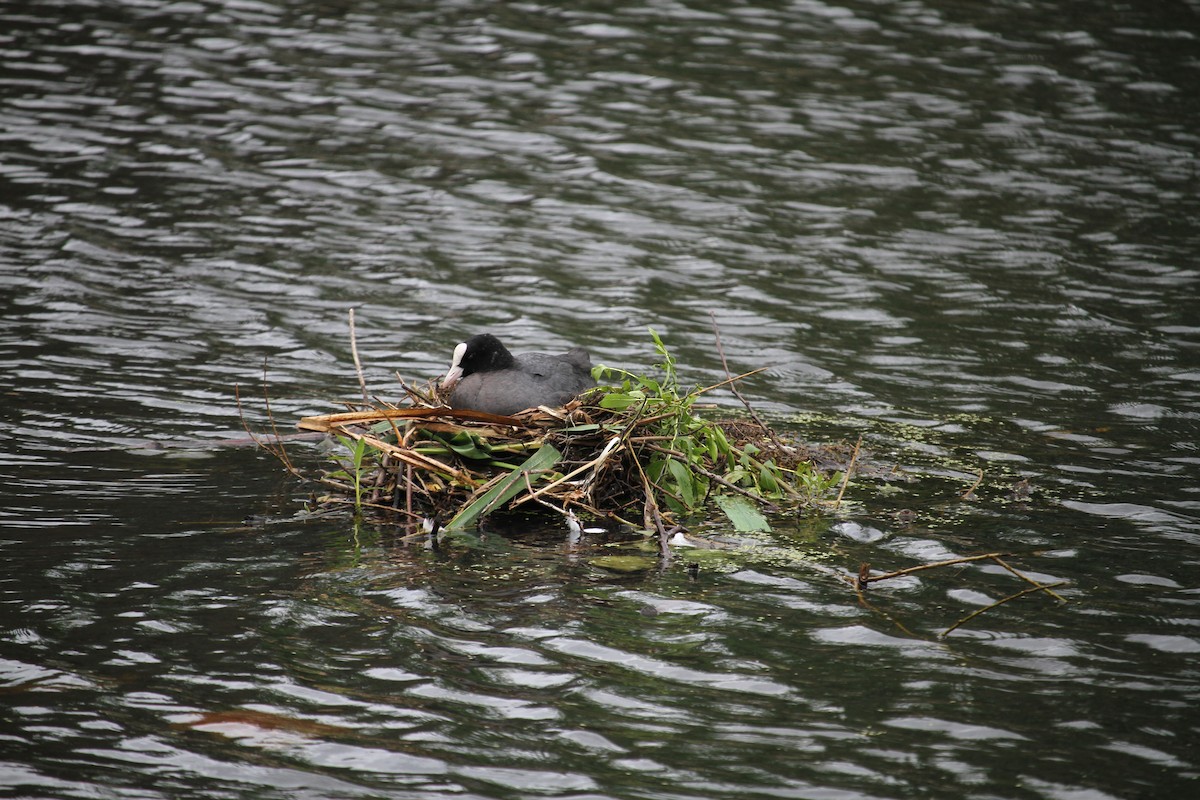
(326, 422)
(727, 381)
(967, 494)
(410, 456)
(1030, 580)
(846, 476)
(362, 381)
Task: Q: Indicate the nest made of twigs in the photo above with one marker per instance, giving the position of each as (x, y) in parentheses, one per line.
(456, 465)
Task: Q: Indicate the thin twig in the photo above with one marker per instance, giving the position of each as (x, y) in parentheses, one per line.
(651, 505)
(533, 496)
(920, 567)
(846, 476)
(863, 577)
(729, 381)
(237, 394)
(859, 582)
(362, 382)
(862, 599)
(967, 494)
(350, 502)
(408, 486)
(733, 388)
(281, 452)
(1028, 579)
(1037, 587)
(271, 419)
(415, 394)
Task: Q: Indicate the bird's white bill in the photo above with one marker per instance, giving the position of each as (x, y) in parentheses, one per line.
(455, 373)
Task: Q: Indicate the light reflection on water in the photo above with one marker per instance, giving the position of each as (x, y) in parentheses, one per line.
(967, 234)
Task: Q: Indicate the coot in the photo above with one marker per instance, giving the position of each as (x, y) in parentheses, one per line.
(484, 376)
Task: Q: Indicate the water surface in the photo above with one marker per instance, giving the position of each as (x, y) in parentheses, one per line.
(967, 234)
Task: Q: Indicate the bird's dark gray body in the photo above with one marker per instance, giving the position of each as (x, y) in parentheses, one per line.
(486, 377)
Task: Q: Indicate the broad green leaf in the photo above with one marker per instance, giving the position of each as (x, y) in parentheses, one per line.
(650, 385)
(742, 513)
(468, 445)
(766, 478)
(717, 437)
(683, 479)
(618, 401)
(737, 475)
(625, 564)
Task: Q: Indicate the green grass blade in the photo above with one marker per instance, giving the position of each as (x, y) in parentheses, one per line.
(545, 458)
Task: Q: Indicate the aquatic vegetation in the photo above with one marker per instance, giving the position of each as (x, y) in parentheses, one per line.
(635, 450)
(357, 450)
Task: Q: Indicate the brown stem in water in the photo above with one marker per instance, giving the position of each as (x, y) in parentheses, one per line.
(909, 570)
(846, 476)
(279, 451)
(969, 492)
(1037, 587)
(362, 382)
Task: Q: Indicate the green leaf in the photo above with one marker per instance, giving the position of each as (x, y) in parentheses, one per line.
(767, 478)
(738, 475)
(624, 564)
(468, 445)
(717, 438)
(591, 426)
(683, 479)
(650, 385)
(742, 513)
(508, 488)
(619, 401)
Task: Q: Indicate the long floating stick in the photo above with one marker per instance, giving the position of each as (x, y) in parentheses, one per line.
(1037, 587)
(907, 570)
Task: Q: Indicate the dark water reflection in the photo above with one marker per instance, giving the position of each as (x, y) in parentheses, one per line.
(967, 233)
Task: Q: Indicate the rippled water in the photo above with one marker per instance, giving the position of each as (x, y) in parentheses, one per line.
(968, 234)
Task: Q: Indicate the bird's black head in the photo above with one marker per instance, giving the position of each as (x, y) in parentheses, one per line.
(481, 353)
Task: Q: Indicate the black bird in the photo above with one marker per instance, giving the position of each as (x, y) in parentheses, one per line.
(484, 376)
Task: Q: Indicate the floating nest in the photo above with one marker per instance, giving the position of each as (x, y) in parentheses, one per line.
(634, 454)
